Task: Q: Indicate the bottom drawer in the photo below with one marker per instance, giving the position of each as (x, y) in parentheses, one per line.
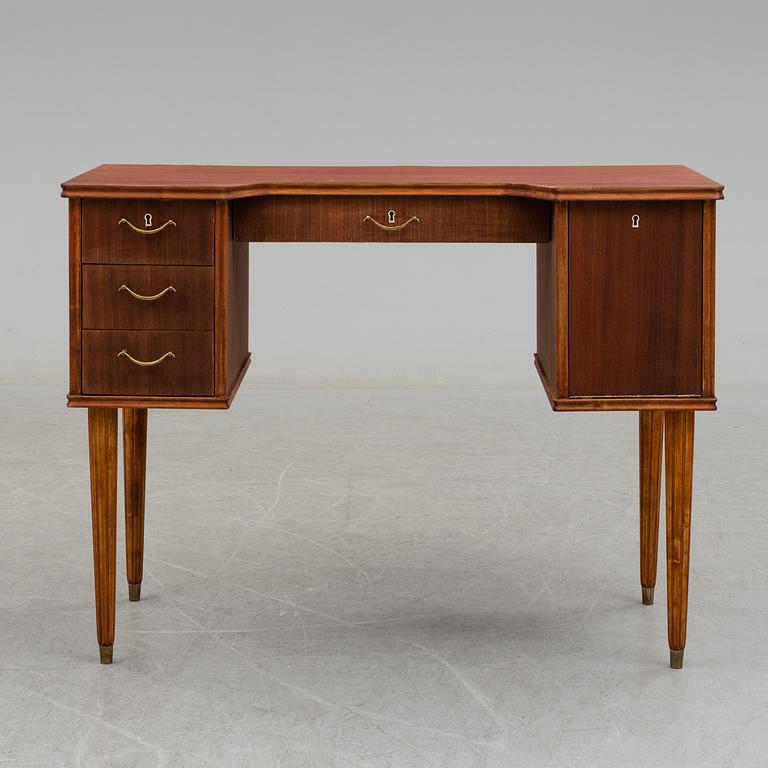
(139, 363)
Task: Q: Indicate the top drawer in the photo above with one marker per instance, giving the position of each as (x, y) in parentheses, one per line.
(391, 219)
(147, 232)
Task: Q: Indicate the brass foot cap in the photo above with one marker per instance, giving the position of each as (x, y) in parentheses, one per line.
(105, 653)
(134, 592)
(675, 659)
(647, 595)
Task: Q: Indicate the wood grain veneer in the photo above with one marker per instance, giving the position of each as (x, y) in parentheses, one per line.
(544, 182)
(545, 309)
(636, 403)
(75, 293)
(189, 307)
(106, 373)
(441, 219)
(237, 316)
(231, 302)
(147, 401)
(189, 373)
(635, 299)
(552, 304)
(105, 241)
(560, 240)
(708, 301)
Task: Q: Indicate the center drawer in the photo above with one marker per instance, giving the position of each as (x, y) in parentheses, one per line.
(139, 297)
(391, 219)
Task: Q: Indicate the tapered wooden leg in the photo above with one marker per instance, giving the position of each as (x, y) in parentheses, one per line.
(135, 465)
(102, 442)
(651, 444)
(678, 426)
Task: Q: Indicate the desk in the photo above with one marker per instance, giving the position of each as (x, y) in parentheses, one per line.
(625, 262)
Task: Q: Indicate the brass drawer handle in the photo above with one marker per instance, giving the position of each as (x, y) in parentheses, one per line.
(143, 363)
(169, 223)
(391, 227)
(169, 289)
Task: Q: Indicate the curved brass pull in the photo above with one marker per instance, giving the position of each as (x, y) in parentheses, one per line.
(391, 227)
(143, 363)
(169, 289)
(169, 223)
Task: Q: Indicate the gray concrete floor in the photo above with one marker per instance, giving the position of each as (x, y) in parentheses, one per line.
(381, 578)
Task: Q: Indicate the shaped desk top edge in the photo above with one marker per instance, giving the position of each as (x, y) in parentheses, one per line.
(554, 183)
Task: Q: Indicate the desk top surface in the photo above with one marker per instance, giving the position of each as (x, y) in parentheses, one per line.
(222, 182)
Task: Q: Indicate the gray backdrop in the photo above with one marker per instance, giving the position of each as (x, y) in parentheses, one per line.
(379, 83)
(380, 578)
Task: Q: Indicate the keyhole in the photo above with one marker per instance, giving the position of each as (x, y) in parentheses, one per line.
(147, 219)
(391, 217)
(635, 222)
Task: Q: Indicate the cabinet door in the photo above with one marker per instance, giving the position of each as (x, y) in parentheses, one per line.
(635, 298)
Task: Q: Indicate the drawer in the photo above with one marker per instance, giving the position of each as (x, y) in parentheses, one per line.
(147, 232)
(107, 367)
(142, 297)
(384, 218)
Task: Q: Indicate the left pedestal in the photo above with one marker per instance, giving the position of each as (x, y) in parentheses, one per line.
(102, 442)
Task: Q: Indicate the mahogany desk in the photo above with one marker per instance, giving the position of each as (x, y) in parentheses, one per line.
(158, 269)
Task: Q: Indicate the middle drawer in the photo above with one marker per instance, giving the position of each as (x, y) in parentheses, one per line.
(160, 298)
